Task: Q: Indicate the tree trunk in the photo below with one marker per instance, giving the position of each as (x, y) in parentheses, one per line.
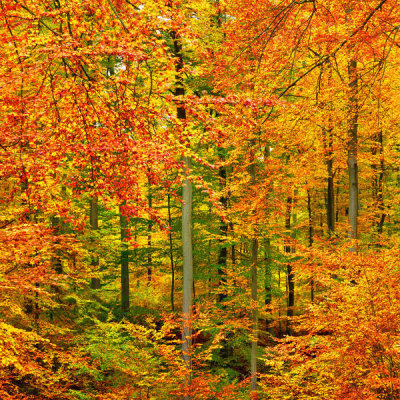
(94, 226)
(187, 300)
(310, 239)
(233, 248)
(171, 254)
(352, 154)
(290, 275)
(330, 205)
(378, 168)
(268, 282)
(337, 203)
(124, 262)
(149, 241)
(223, 251)
(187, 276)
(328, 145)
(254, 296)
(268, 263)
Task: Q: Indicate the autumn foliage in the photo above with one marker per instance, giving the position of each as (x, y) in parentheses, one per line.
(277, 122)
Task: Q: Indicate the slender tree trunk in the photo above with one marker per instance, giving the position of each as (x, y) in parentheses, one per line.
(328, 145)
(280, 330)
(94, 226)
(377, 192)
(124, 262)
(187, 276)
(268, 263)
(310, 239)
(337, 203)
(57, 225)
(210, 282)
(223, 251)
(254, 298)
(330, 205)
(56, 259)
(187, 247)
(254, 295)
(268, 282)
(171, 254)
(233, 248)
(149, 238)
(290, 275)
(352, 154)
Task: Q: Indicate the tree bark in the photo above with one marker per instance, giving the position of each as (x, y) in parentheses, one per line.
(149, 238)
(268, 282)
(254, 298)
(377, 192)
(187, 301)
(187, 247)
(290, 275)
(223, 251)
(328, 144)
(352, 154)
(268, 263)
(171, 254)
(310, 239)
(254, 294)
(94, 226)
(124, 262)
(330, 205)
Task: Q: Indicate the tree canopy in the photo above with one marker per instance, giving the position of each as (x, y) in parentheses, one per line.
(199, 199)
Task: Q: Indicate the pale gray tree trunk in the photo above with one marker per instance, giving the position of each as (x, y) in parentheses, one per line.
(352, 154)
(171, 254)
(187, 248)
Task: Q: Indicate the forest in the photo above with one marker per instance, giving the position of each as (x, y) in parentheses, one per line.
(199, 199)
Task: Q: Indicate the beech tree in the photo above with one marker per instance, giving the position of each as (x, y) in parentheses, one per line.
(249, 145)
